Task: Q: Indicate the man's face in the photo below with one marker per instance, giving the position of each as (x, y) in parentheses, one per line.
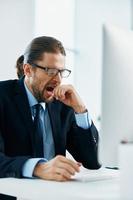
(40, 83)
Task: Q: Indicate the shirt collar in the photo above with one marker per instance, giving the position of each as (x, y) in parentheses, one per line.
(32, 100)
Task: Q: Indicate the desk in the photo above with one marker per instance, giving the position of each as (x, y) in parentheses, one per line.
(36, 189)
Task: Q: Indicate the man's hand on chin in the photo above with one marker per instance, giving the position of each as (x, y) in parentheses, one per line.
(69, 96)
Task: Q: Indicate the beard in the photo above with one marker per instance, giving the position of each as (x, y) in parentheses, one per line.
(40, 95)
(46, 94)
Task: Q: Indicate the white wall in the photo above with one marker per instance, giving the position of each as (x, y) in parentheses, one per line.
(58, 21)
(90, 16)
(16, 31)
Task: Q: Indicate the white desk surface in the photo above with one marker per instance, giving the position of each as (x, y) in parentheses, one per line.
(36, 189)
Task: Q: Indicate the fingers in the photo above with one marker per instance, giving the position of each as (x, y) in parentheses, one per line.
(65, 167)
(63, 173)
(56, 174)
(60, 91)
(59, 169)
(69, 164)
(68, 95)
(59, 177)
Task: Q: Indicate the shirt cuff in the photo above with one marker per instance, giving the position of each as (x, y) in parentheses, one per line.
(29, 165)
(83, 120)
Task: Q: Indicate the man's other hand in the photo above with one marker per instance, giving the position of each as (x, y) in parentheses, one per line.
(59, 168)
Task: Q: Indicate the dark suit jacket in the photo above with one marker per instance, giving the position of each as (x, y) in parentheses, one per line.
(16, 131)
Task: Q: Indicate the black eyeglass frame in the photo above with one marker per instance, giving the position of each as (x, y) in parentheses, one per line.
(46, 69)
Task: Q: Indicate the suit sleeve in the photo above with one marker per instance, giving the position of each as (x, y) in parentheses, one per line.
(10, 166)
(83, 144)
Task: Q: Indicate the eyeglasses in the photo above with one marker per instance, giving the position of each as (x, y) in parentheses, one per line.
(64, 73)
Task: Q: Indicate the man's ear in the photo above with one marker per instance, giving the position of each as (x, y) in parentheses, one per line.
(27, 70)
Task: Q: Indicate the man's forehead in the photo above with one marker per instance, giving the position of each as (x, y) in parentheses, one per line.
(53, 60)
(52, 56)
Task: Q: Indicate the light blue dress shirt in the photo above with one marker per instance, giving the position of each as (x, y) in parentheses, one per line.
(82, 120)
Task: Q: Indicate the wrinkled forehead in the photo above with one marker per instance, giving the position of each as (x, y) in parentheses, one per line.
(56, 60)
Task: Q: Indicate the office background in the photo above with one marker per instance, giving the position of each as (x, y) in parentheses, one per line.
(78, 24)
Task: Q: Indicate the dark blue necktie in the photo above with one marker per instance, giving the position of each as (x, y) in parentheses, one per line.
(38, 135)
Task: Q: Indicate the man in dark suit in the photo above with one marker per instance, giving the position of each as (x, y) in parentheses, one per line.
(34, 145)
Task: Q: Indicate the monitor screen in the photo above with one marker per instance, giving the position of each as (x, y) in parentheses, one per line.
(117, 92)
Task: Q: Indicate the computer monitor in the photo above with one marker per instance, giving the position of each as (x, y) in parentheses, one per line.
(117, 92)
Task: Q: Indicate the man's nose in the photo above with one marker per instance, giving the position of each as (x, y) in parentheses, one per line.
(57, 77)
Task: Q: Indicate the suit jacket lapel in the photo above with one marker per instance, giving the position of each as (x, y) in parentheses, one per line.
(54, 113)
(22, 104)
